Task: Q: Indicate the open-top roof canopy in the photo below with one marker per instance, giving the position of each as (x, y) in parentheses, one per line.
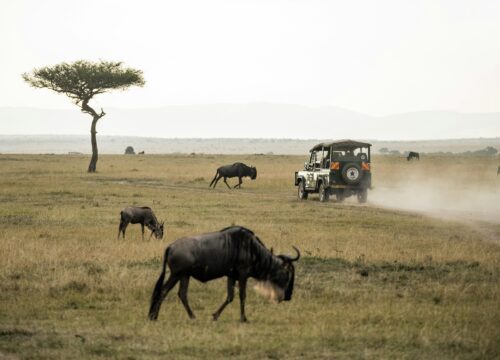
(340, 145)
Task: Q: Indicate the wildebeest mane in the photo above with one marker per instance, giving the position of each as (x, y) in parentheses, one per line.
(259, 254)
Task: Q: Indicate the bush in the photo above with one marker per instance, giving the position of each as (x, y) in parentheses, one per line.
(129, 150)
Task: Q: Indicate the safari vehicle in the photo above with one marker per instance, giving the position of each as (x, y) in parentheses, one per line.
(340, 168)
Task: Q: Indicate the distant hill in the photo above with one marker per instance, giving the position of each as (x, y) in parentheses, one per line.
(63, 144)
(257, 120)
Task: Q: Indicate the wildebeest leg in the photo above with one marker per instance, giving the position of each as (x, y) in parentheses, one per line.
(183, 288)
(155, 309)
(230, 297)
(123, 227)
(142, 228)
(151, 229)
(239, 183)
(216, 181)
(243, 292)
(225, 178)
(119, 230)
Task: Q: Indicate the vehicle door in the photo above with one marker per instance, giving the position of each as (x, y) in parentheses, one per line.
(313, 171)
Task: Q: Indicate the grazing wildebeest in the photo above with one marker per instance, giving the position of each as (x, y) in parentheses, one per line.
(235, 252)
(413, 155)
(140, 215)
(235, 170)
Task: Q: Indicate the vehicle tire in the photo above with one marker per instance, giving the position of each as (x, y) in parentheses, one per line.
(324, 195)
(339, 196)
(352, 173)
(301, 191)
(362, 196)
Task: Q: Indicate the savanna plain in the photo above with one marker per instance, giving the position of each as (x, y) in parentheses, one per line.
(373, 281)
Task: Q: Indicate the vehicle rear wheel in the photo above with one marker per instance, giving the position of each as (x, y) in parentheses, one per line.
(324, 195)
(352, 173)
(362, 196)
(339, 196)
(301, 192)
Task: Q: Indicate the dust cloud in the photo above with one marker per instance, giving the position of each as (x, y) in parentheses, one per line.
(466, 190)
(440, 199)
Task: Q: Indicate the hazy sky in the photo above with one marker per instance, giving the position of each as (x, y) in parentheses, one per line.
(376, 57)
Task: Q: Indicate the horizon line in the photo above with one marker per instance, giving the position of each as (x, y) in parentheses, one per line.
(250, 138)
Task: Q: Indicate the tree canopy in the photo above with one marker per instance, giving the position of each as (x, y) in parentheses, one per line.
(82, 79)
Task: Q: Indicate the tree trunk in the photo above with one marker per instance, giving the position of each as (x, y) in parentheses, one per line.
(93, 140)
(95, 117)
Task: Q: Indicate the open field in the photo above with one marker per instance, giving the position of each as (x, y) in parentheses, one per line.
(373, 282)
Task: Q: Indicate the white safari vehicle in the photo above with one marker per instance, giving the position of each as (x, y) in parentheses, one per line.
(341, 168)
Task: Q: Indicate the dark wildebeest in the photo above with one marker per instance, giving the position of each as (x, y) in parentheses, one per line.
(235, 252)
(413, 155)
(236, 170)
(140, 215)
(498, 171)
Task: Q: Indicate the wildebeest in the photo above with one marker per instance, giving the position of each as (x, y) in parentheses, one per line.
(498, 170)
(235, 170)
(140, 215)
(235, 252)
(413, 155)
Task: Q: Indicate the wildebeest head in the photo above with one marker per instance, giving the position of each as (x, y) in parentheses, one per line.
(284, 277)
(253, 173)
(158, 231)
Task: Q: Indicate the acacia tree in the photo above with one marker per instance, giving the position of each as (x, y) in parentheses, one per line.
(81, 81)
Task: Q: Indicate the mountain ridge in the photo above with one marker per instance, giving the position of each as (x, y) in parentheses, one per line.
(254, 120)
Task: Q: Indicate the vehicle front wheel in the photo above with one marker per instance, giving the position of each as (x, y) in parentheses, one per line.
(301, 192)
(324, 195)
(362, 196)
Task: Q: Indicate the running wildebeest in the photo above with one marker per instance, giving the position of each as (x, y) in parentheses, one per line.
(235, 170)
(140, 215)
(235, 252)
(413, 155)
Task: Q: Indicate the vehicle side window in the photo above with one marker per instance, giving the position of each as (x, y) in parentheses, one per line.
(325, 163)
(312, 160)
(315, 161)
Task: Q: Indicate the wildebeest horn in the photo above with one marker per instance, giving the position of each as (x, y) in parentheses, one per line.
(298, 254)
(289, 258)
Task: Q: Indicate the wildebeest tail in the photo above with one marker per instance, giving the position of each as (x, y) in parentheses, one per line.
(215, 177)
(156, 297)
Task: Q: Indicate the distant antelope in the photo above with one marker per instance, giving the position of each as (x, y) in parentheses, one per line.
(140, 215)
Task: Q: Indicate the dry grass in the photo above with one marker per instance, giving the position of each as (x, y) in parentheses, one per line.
(372, 283)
